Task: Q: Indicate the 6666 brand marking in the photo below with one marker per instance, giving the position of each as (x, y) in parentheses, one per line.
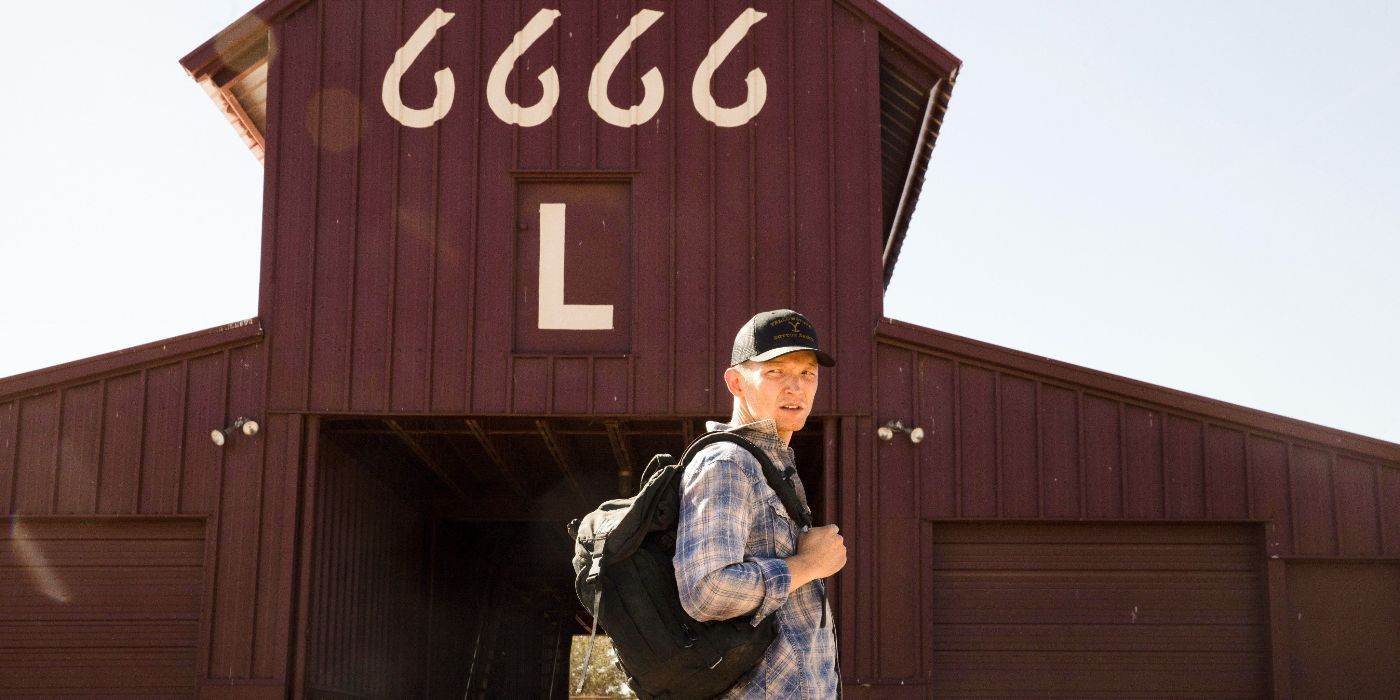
(653, 86)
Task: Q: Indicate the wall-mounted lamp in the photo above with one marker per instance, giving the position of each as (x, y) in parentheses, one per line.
(887, 431)
(247, 426)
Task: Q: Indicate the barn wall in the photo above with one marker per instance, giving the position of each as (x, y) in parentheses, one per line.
(1008, 444)
(131, 441)
(369, 597)
(127, 434)
(1013, 437)
(393, 267)
(1344, 628)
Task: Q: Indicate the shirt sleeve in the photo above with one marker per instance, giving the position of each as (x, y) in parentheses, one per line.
(715, 578)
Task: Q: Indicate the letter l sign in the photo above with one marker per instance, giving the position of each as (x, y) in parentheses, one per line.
(554, 313)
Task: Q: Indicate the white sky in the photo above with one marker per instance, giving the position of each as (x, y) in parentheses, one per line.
(1197, 194)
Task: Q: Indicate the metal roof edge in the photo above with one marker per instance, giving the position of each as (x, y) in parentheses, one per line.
(915, 185)
(246, 332)
(906, 36)
(1133, 389)
(237, 36)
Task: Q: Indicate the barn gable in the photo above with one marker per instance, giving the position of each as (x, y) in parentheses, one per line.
(404, 261)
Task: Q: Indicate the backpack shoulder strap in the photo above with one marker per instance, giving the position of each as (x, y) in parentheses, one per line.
(776, 479)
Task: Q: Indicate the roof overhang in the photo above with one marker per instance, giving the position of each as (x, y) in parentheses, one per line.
(89, 369)
(1132, 390)
(916, 83)
(232, 68)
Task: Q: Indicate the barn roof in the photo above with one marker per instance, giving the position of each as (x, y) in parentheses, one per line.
(1134, 391)
(89, 369)
(916, 82)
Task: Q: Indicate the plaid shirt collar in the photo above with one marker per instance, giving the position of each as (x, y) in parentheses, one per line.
(764, 434)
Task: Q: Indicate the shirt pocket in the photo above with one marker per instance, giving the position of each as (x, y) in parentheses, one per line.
(780, 528)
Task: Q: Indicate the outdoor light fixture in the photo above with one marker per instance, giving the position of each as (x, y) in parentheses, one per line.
(887, 431)
(247, 426)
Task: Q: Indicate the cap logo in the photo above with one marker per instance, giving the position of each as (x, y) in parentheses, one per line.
(799, 330)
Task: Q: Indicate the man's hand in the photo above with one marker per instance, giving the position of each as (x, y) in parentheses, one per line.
(821, 552)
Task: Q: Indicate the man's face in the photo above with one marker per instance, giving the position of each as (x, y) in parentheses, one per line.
(781, 389)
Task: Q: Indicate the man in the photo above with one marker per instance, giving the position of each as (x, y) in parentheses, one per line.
(738, 553)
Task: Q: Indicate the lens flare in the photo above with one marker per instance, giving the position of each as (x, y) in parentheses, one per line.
(31, 555)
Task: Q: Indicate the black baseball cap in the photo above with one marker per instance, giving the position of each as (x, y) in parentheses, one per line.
(772, 333)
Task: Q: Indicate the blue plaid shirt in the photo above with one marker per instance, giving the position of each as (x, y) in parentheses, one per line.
(730, 544)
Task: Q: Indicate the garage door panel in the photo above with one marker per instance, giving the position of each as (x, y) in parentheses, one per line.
(1102, 610)
(103, 552)
(1093, 637)
(88, 633)
(96, 669)
(1091, 533)
(96, 607)
(83, 596)
(1100, 674)
(1103, 556)
(109, 529)
(1097, 598)
(992, 613)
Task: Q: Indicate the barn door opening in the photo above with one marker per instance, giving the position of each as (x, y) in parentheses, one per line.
(439, 561)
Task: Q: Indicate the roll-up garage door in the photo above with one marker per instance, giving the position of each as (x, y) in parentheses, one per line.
(100, 607)
(1088, 611)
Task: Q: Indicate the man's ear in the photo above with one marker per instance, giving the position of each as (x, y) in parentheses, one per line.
(734, 381)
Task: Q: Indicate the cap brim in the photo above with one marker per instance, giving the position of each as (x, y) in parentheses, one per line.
(823, 359)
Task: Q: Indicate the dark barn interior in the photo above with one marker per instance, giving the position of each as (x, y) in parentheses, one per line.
(439, 563)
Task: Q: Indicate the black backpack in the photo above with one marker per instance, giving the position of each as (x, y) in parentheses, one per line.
(624, 576)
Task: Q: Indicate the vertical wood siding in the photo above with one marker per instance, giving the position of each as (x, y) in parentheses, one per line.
(1344, 624)
(1009, 444)
(134, 441)
(391, 283)
(369, 597)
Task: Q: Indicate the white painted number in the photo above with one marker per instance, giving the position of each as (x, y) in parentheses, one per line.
(403, 58)
(510, 112)
(554, 313)
(653, 86)
(758, 86)
(653, 89)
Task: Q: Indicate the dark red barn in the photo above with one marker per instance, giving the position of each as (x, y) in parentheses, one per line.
(505, 246)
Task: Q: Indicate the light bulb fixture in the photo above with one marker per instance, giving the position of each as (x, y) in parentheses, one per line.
(247, 426)
(887, 431)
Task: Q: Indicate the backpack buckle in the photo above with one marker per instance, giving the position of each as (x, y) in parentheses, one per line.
(595, 568)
